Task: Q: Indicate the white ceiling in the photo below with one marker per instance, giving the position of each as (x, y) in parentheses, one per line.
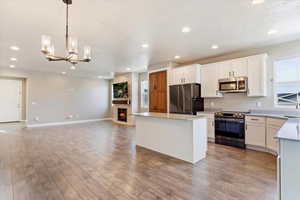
(116, 29)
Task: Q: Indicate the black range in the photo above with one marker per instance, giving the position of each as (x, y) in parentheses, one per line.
(230, 128)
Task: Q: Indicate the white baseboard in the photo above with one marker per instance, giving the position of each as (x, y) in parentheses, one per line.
(65, 123)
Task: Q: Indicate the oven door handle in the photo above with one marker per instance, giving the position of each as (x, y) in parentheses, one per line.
(231, 120)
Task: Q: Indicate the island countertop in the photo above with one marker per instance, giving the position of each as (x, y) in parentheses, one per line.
(168, 116)
(290, 130)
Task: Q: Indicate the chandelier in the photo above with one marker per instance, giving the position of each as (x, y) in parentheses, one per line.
(71, 45)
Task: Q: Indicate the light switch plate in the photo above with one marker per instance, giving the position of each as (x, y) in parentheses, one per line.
(258, 104)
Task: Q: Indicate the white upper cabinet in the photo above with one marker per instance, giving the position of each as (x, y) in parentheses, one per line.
(257, 75)
(186, 74)
(233, 68)
(210, 75)
(225, 69)
(239, 67)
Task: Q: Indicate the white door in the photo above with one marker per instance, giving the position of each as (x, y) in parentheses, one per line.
(10, 100)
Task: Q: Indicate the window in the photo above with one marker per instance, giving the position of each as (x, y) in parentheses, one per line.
(287, 82)
(144, 93)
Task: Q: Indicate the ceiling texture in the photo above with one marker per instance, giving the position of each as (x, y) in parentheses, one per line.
(117, 29)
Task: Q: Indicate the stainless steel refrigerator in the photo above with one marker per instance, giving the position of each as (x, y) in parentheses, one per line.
(186, 99)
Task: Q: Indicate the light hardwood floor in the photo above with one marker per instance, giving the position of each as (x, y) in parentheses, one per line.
(100, 161)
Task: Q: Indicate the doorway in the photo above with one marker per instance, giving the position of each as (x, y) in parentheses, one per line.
(11, 100)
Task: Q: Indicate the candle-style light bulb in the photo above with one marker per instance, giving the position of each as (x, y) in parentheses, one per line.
(46, 44)
(73, 45)
(51, 50)
(87, 52)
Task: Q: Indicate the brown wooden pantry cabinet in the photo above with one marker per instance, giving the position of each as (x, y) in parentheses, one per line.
(158, 92)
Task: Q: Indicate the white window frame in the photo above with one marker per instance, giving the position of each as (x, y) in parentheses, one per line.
(144, 106)
(275, 83)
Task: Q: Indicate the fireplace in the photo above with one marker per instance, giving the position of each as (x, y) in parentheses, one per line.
(122, 114)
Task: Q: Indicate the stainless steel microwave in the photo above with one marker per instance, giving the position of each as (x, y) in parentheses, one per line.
(234, 84)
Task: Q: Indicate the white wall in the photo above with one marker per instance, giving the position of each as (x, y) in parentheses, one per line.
(53, 97)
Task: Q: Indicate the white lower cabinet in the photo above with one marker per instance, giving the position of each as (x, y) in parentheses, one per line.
(211, 128)
(255, 131)
(262, 132)
(272, 143)
(273, 126)
(256, 135)
(210, 124)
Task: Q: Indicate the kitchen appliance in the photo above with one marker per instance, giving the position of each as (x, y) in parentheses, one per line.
(230, 128)
(186, 99)
(233, 85)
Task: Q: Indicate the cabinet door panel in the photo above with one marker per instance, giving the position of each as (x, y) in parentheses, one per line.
(239, 67)
(272, 143)
(257, 77)
(256, 135)
(225, 69)
(209, 80)
(210, 128)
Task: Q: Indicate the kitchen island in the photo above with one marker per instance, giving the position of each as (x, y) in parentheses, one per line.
(289, 160)
(180, 136)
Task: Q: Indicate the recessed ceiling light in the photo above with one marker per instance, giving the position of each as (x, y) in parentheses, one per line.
(15, 48)
(214, 46)
(72, 67)
(255, 2)
(13, 59)
(145, 46)
(272, 32)
(128, 68)
(64, 73)
(177, 57)
(186, 29)
(12, 66)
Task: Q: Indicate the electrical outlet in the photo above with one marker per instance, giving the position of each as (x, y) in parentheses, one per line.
(258, 104)
(70, 117)
(37, 119)
(33, 103)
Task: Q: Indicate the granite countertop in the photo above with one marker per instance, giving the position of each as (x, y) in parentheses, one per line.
(168, 116)
(290, 130)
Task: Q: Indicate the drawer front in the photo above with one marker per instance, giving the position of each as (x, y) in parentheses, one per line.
(255, 120)
(273, 122)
